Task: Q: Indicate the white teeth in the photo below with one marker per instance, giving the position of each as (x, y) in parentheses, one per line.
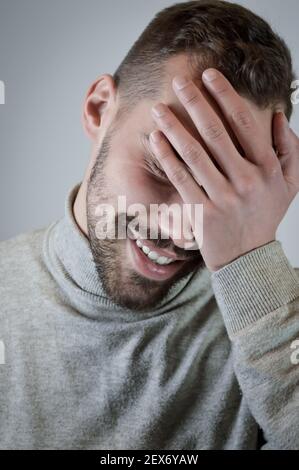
(153, 255)
(162, 260)
(145, 250)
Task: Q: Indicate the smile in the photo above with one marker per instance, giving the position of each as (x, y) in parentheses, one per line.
(152, 263)
(153, 255)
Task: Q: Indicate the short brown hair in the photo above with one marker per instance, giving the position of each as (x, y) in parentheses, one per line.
(212, 33)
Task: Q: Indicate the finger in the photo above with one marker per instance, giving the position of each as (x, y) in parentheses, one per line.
(281, 134)
(240, 118)
(176, 170)
(210, 127)
(191, 151)
(287, 145)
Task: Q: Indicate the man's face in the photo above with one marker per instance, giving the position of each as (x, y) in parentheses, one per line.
(124, 168)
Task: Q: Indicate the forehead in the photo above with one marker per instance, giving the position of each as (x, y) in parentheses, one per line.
(177, 66)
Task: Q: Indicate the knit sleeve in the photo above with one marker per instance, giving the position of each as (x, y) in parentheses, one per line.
(258, 296)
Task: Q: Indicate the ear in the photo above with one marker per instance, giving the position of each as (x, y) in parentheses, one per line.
(99, 100)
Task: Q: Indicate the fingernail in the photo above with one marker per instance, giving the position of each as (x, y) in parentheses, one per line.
(180, 82)
(210, 75)
(156, 136)
(158, 110)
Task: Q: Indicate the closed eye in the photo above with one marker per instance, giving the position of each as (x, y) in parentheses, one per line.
(154, 168)
(150, 160)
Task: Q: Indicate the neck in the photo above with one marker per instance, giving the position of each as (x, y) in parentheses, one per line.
(79, 208)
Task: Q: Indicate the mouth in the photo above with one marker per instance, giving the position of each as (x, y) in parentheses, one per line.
(151, 262)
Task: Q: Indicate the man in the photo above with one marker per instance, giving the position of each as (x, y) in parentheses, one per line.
(150, 342)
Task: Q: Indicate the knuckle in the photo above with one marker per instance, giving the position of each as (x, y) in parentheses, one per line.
(178, 176)
(212, 131)
(167, 123)
(242, 118)
(190, 154)
(229, 200)
(165, 155)
(270, 163)
(191, 98)
(246, 185)
(273, 168)
(220, 87)
(283, 148)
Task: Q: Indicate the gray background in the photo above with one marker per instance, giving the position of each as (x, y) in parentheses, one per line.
(50, 52)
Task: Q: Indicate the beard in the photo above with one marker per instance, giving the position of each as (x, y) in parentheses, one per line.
(123, 285)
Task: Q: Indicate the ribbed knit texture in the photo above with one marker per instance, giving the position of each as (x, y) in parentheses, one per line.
(254, 285)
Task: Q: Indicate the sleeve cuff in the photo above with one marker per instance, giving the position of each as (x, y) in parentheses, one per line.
(254, 285)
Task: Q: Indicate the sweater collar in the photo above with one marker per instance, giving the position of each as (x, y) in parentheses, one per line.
(68, 256)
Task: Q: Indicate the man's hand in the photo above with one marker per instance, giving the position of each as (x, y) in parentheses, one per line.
(244, 204)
